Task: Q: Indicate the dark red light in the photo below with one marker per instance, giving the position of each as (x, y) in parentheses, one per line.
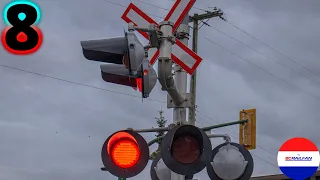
(186, 149)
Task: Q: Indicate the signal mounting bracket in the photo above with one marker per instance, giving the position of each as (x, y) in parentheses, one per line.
(185, 104)
(153, 32)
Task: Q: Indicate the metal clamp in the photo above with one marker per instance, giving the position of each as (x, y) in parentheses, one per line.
(186, 103)
(226, 137)
(152, 31)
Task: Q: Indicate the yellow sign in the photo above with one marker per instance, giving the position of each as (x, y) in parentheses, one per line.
(247, 131)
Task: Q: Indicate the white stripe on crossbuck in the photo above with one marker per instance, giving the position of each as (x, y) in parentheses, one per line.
(183, 56)
(175, 16)
(139, 20)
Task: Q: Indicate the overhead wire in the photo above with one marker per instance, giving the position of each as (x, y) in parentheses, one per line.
(210, 120)
(153, 5)
(276, 61)
(287, 82)
(167, 9)
(230, 130)
(85, 85)
(77, 83)
(120, 5)
(204, 23)
(266, 72)
(260, 147)
(262, 69)
(275, 50)
(234, 54)
(259, 52)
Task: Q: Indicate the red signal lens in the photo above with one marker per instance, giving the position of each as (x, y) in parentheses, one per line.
(139, 84)
(186, 149)
(145, 72)
(125, 153)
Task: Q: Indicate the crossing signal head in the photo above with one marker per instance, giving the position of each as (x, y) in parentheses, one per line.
(230, 161)
(127, 64)
(126, 51)
(148, 78)
(186, 150)
(125, 154)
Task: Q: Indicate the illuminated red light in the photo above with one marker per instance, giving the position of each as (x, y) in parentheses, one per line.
(125, 153)
(145, 72)
(139, 84)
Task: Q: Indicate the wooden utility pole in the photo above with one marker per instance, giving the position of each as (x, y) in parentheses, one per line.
(195, 20)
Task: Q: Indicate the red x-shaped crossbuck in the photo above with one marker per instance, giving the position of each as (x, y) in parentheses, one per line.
(181, 54)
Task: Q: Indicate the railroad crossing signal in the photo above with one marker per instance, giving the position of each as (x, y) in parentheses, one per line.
(129, 64)
(125, 154)
(230, 161)
(186, 150)
(148, 78)
(247, 131)
(181, 54)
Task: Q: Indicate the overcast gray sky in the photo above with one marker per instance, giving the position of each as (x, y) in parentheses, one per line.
(50, 129)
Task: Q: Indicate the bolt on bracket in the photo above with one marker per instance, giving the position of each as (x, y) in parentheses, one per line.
(186, 103)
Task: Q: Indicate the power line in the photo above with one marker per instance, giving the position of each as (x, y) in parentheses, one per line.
(114, 3)
(265, 160)
(275, 50)
(211, 119)
(283, 80)
(161, 17)
(247, 60)
(235, 138)
(120, 5)
(236, 56)
(257, 155)
(274, 60)
(153, 5)
(77, 83)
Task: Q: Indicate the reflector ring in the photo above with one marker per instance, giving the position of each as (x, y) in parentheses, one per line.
(125, 153)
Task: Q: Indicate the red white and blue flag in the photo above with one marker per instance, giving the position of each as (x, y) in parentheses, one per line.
(298, 158)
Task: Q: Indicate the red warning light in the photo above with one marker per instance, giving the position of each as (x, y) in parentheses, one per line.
(125, 153)
(139, 84)
(145, 72)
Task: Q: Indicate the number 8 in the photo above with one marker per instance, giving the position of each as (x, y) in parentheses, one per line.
(21, 37)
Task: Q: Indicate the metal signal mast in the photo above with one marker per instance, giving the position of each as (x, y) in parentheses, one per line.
(185, 149)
